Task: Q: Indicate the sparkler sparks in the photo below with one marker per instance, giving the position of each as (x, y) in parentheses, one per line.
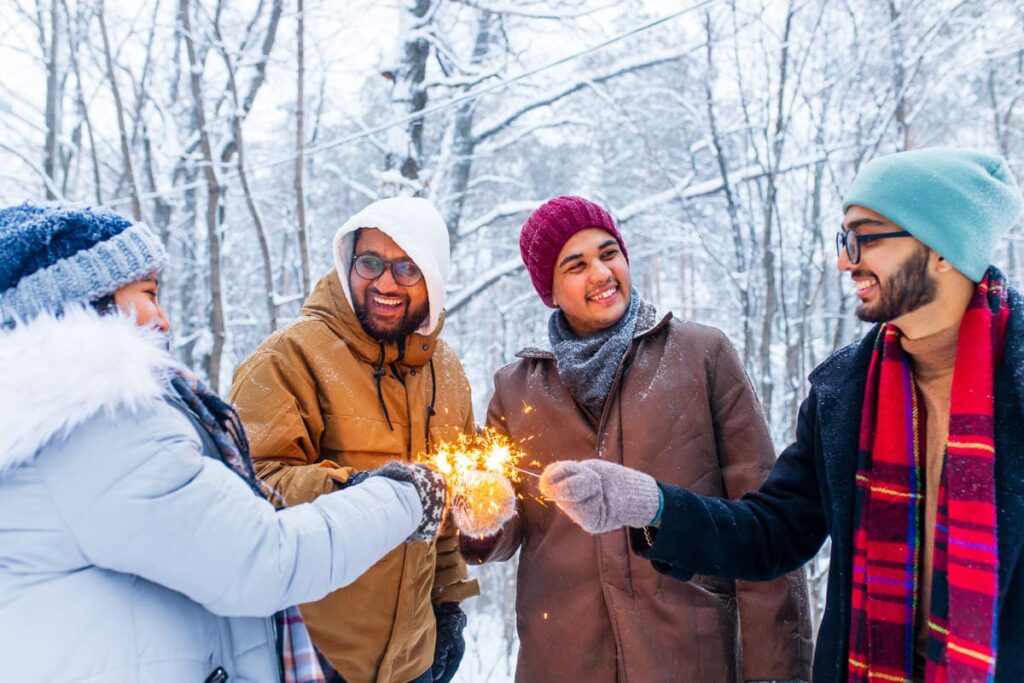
(480, 469)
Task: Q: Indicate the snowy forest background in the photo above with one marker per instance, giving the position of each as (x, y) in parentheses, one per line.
(721, 135)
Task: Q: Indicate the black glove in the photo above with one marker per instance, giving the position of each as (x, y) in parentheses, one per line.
(430, 485)
(450, 647)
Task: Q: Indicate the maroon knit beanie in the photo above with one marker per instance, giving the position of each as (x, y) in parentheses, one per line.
(547, 230)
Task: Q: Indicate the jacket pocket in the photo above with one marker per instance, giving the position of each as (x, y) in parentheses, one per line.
(701, 591)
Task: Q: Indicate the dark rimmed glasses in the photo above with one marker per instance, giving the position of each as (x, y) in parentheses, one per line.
(851, 241)
(371, 267)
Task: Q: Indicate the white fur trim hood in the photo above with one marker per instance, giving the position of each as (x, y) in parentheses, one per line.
(56, 373)
(415, 226)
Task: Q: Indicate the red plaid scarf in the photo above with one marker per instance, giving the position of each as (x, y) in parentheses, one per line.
(890, 500)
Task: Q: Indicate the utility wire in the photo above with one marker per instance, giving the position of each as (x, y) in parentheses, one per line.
(426, 111)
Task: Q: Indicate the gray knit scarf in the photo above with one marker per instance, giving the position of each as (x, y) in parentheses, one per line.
(587, 365)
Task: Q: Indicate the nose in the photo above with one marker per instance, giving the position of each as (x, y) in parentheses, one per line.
(843, 262)
(161, 321)
(386, 282)
(600, 272)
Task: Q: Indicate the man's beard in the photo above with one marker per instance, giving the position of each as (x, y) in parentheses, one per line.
(410, 322)
(908, 289)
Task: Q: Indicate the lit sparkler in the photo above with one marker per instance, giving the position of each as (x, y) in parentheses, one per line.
(480, 469)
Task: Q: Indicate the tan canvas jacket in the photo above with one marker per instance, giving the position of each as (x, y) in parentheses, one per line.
(310, 404)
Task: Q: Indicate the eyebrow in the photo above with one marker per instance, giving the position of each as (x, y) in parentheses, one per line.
(861, 221)
(573, 257)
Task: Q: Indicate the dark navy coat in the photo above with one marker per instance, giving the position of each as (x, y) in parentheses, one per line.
(809, 495)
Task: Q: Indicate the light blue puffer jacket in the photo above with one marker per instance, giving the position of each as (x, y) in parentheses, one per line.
(127, 556)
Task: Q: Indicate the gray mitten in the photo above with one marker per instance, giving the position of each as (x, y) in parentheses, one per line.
(601, 496)
(432, 489)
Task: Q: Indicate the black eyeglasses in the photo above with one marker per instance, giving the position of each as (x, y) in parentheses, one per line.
(371, 267)
(851, 241)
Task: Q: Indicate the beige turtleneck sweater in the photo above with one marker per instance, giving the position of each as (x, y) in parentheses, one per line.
(932, 359)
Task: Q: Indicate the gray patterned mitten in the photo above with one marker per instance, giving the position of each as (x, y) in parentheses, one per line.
(601, 496)
(432, 489)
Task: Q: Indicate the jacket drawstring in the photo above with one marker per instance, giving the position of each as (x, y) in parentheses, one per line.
(378, 374)
(433, 398)
(401, 356)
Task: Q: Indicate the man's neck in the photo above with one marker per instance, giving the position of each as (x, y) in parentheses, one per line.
(943, 313)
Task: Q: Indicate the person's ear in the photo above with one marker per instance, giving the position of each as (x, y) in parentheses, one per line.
(941, 264)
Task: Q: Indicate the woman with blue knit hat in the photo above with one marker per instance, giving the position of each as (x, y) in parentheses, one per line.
(909, 451)
(136, 544)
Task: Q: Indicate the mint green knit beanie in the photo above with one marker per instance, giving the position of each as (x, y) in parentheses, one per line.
(957, 201)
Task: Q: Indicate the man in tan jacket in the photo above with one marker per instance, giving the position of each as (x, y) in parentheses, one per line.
(362, 378)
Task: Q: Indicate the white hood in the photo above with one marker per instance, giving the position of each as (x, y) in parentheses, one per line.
(415, 226)
(56, 373)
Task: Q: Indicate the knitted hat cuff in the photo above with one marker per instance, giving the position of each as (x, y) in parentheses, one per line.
(87, 276)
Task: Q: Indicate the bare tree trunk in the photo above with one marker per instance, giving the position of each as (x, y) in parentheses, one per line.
(408, 94)
(213, 191)
(243, 178)
(1002, 131)
(53, 98)
(771, 294)
(73, 45)
(900, 77)
(300, 145)
(739, 247)
(463, 142)
(126, 154)
(798, 355)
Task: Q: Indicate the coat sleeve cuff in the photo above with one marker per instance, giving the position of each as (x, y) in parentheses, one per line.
(660, 544)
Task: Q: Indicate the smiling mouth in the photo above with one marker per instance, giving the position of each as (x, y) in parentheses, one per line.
(861, 285)
(387, 301)
(604, 294)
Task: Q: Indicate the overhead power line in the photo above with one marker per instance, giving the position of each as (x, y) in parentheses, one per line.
(426, 111)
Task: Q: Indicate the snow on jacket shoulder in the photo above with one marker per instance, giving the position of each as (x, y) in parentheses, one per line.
(125, 555)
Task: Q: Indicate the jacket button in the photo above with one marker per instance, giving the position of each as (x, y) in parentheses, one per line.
(412, 372)
(426, 346)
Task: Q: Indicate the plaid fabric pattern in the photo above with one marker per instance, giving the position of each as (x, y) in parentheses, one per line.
(299, 662)
(889, 504)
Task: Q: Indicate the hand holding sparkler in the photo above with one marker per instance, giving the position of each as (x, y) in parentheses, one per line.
(481, 469)
(602, 496)
(484, 503)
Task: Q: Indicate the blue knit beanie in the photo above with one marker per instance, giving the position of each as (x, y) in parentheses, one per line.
(956, 201)
(52, 256)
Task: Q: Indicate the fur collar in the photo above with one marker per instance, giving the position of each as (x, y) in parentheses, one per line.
(57, 373)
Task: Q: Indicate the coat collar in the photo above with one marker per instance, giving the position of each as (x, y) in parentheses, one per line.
(648, 323)
(838, 384)
(846, 369)
(56, 373)
(1013, 350)
(329, 304)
